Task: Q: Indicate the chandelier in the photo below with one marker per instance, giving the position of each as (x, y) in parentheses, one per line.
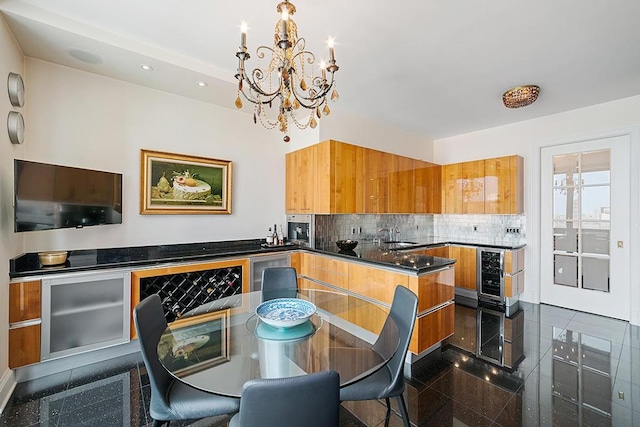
(520, 96)
(286, 78)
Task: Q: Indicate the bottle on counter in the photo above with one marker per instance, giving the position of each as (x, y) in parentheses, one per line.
(280, 235)
(275, 235)
(270, 237)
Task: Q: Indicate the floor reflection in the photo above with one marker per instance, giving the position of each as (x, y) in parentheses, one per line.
(536, 366)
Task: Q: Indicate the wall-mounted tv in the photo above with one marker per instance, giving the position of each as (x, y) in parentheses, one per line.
(51, 196)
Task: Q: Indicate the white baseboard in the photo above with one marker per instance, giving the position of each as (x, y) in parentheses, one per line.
(7, 384)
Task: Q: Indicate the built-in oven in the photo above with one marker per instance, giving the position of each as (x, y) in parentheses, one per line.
(300, 229)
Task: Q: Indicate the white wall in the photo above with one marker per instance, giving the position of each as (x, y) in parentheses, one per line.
(353, 129)
(358, 130)
(85, 120)
(11, 60)
(526, 138)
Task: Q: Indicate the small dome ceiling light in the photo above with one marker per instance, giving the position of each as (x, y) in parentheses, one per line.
(146, 67)
(520, 96)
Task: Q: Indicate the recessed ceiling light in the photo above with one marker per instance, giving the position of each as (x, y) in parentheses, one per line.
(84, 56)
(201, 83)
(146, 67)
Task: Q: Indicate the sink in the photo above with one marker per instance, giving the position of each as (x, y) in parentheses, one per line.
(399, 244)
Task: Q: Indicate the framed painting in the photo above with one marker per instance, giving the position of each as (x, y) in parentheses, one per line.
(195, 343)
(182, 184)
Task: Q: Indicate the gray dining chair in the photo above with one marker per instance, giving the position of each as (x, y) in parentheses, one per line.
(279, 282)
(389, 380)
(171, 399)
(304, 401)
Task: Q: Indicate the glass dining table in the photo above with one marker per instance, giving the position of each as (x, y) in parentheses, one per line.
(219, 346)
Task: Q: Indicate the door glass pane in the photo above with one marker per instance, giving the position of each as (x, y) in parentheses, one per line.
(565, 270)
(595, 237)
(565, 169)
(565, 237)
(595, 274)
(596, 202)
(565, 203)
(595, 167)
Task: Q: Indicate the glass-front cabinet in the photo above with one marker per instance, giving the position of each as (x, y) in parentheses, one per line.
(84, 312)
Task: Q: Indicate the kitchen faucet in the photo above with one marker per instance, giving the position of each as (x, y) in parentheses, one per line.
(394, 233)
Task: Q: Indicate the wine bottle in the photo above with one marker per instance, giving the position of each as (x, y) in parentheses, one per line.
(275, 235)
(280, 235)
(269, 237)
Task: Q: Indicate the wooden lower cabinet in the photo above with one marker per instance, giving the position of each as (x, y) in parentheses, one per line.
(24, 346)
(338, 306)
(432, 328)
(24, 339)
(466, 262)
(433, 290)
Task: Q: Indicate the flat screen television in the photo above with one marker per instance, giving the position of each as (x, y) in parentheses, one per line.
(51, 196)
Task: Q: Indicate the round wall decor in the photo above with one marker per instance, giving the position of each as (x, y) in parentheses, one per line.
(15, 86)
(15, 126)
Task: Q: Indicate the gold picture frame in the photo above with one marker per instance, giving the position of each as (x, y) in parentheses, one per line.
(195, 343)
(182, 184)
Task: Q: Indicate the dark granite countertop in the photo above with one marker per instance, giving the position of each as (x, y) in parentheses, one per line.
(97, 259)
(386, 256)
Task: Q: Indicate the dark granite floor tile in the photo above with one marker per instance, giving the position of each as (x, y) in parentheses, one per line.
(347, 419)
(451, 413)
(369, 412)
(101, 370)
(478, 394)
(39, 387)
(427, 373)
(31, 413)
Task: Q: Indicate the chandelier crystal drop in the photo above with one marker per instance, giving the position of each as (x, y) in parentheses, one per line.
(287, 80)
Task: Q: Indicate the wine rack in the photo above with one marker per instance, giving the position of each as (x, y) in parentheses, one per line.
(184, 288)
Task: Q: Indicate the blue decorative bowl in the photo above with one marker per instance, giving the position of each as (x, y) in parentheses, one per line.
(285, 312)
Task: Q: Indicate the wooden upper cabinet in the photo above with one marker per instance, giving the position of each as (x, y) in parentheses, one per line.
(377, 168)
(428, 183)
(336, 166)
(452, 188)
(504, 192)
(402, 192)
(300, 174)
(473, 187)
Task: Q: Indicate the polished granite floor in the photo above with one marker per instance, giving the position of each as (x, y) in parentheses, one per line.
(576, 370)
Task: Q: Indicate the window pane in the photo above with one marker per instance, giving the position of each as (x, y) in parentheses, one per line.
(596, 202)
(595, 274)
(595, 237)
(595, 167)
(565, 237)
(565, 270)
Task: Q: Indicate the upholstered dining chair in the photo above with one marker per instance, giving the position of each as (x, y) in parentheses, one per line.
(304, 401)
(171, 399)
(389, 381)
(279, 282)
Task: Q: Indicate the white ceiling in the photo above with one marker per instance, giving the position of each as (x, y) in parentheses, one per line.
(433, 67)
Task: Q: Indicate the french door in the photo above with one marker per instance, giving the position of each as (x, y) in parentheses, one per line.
(585, 226)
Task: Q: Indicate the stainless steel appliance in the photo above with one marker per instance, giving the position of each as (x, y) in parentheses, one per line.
(259, 263)
(498, 268)
(300, 229)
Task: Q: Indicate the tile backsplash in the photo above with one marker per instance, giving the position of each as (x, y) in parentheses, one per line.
(487, 229)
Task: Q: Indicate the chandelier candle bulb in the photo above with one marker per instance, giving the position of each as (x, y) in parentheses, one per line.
(243, 35)
(323, 67)
(285, 18)
(332, 53)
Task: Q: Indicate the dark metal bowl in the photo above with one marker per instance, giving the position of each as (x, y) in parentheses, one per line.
(347, 245)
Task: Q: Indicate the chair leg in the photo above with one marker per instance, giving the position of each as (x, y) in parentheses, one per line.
(403, 411)
(388, 417)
